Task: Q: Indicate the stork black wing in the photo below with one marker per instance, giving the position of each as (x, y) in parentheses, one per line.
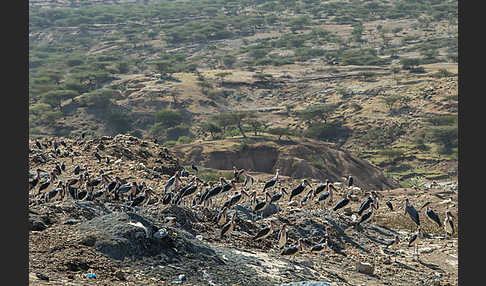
(412, 239)
(262, 233)
(323, 196)
(290, 251)
(296, 191)
(434, 217)
(412, 212)
(364, 205)
(341, 204)
(276, 197)
(364, 217)
(270, 183)
(319, 188)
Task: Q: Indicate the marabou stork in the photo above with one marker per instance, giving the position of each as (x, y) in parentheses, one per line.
(299, 189)
(272, 182)
(265, 232)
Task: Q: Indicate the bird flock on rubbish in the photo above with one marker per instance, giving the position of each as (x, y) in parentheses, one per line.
(184, 188)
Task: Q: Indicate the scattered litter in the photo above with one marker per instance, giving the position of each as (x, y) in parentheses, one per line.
(446, 201)
(364, 267)
(71, 221)
(91, 275)
(42, 276)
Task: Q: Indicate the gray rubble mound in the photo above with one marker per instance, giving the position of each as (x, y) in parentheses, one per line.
(113, 236)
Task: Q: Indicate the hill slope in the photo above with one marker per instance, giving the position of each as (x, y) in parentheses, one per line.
(310, 159)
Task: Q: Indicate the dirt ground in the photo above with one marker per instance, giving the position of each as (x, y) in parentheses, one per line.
(72, 239)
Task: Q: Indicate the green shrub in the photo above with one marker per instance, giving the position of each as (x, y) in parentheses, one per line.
(401, 168)
(445, 136)
(98, 99)
(392, 154)
(212, 128)
(305, 53)
(169, 144)
(395, 102)
(362, 57)
(120, 122)
(442, 73)
(409, 63)
(123, 67)
(318, 112)
(332, 131)
(258, 53)
(442, 120)
(55, 97)
(75, 61)
(76, 85)
(184, 140)
(356, 107)
(174, 133)
(209, 176)
(420, 144)
(280, 131)
(168, 118)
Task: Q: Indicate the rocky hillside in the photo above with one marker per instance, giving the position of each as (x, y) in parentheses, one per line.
(295, 159)
(99, 241)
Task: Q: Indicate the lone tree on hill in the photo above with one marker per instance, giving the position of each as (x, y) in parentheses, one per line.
(238, 119)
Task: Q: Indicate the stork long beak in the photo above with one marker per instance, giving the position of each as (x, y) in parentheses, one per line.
(267, 196)
(426, 204)
(452, 215)
(245, 193)
(308, 184)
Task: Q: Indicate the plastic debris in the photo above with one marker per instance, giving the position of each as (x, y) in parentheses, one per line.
(42, 276)
(71, 221)
(91, 275)
(176, 282)
(365, 268)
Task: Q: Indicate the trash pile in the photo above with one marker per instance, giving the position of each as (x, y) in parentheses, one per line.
(107, 241)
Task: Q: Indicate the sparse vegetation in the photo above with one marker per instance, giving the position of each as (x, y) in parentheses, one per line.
(211, 56)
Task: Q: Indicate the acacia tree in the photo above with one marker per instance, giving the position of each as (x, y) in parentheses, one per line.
(238, 118)
(223, 120)
(280, 131)
(318, 112)
(255, 125)
(211, 127)
(55, 97)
